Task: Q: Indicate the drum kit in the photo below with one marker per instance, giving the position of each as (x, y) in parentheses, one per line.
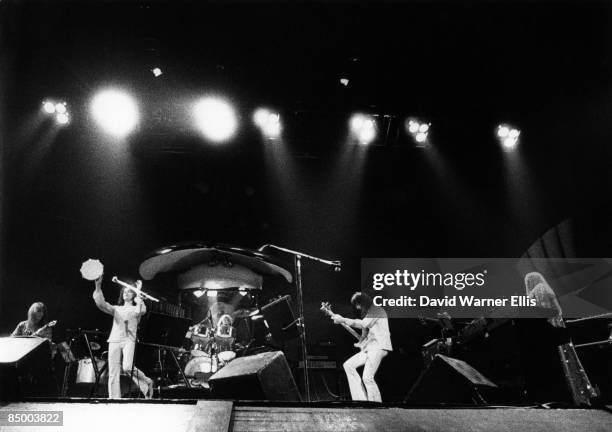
(204, 268)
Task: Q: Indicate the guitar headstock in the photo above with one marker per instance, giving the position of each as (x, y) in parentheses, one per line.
(326, 308)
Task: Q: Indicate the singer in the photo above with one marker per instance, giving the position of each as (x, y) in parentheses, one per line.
(122, 339)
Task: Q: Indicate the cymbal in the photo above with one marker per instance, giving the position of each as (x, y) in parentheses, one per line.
(243, 313)
(184, 256)
(95, 346)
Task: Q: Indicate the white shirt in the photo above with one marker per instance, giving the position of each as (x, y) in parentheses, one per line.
(376, 324)
(125, 317)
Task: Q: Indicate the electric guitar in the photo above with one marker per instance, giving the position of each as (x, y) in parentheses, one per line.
(46, 326)
(361, 339)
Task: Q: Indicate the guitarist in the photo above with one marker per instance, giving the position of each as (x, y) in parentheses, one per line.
(375, 344)
(36, 324)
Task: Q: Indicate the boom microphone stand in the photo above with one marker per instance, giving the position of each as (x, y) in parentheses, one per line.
(300, 300)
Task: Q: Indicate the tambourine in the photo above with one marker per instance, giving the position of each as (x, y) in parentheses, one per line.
(92, 269)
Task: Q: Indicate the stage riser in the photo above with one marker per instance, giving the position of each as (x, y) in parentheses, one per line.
(219, 416)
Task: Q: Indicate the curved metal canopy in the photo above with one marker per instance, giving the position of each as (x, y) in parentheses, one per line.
(182, 257)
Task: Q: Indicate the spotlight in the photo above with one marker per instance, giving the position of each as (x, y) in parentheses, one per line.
(419, 131)
(344, 81)
(48, 107)
(363, 128)
(508, 136)
(413, 127)
(268, 122)
(216, 119)
(211, 293)
(116, 112)
(509, 143)
(198, 293)
(60, 108)
(157, 72)
(502, 131)
(62, 118)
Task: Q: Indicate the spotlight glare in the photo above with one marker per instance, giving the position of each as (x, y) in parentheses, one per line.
(198, 293)
(216, 119)
(60, 108)
(268, 122)
(260, 117)
(502, 131)
(211, 293)
(510, 142)
(344, 81)
(62, 118)
(514, 133)
(157, 72)
(421, 137)
(116, 112)
(413, 127)
(49, 107)
(363, 128)
(424, 128)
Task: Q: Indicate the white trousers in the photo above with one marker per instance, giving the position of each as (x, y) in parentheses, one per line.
(365, 389)
(120, 359)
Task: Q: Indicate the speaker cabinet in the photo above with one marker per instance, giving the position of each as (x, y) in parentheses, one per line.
(264, 376)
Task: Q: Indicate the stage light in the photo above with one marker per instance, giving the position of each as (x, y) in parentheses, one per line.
(420, 137)
(60, 108)
(62, 118)
(508, 136)
(216, 119)
(48, 107)
(419, 131)
(502, 131)
(413, 127)
(509, 143)
(268, 122)
(211, 293)
(344, 81)
(198, 293)
(363, 128)
(116, 112)
(157, 72)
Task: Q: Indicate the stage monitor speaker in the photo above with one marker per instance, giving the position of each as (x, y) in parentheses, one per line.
(25, 368)
(449, 381)
(264, 376)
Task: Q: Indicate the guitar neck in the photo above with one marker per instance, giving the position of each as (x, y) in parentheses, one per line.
(352, 331)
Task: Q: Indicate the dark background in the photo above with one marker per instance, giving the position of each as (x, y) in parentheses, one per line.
(70, 194)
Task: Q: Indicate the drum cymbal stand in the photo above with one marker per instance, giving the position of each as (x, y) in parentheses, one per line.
(94, 364)
(171, 349)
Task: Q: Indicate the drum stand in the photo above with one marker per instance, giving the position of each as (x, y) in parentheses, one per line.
(94, 364)
(171, 349)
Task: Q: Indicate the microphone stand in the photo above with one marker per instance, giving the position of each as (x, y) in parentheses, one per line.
(300, 300)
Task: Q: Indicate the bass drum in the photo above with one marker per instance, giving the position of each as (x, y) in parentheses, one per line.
(86, 373)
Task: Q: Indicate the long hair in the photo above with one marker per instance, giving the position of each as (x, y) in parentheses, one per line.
(120, 301)
(363, 300)
(537, 288)
(37, 307)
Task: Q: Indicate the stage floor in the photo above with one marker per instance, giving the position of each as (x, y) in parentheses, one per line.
(216, 415)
